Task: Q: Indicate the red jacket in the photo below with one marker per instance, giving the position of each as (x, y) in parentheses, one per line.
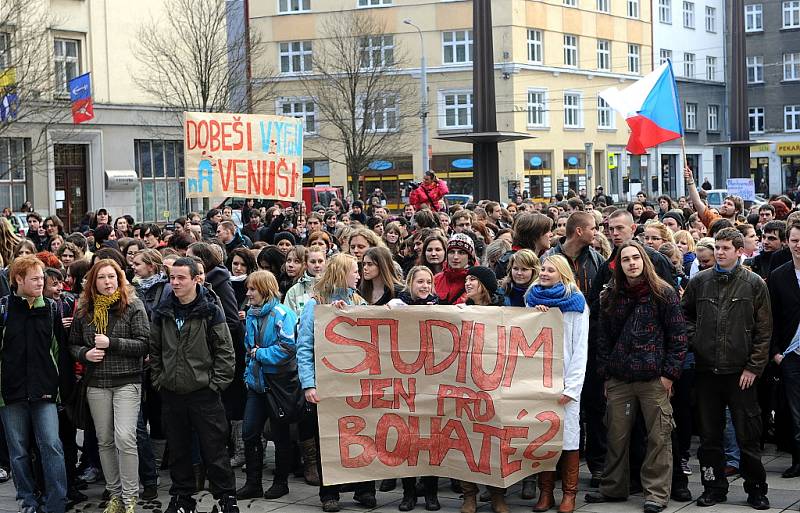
(449, 285)
(429, 195)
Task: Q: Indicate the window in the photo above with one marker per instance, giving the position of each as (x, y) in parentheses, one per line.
(633, 8)
(373, 3)
(665, 11)
(756, 117)
(67, 62)
(458, 110)
(688, 14)
(664, 55)
(688, 65)
(791, 117)
(14, 164)
(604, 54)
(755, 69)
(634, 52)
(537, 108)
(457, 45)
(5, 57)
(711, 68)
(753, 18)
(791, 14)
(573, 115)
(791, 66)
(377, 52)
(571, 3)
(570, 50)
(605, 115)
(535, 50)
(300, 108)
(285, 6)
(159, 165)
(602, 6)
(691, 116)
(713, 118)
(295, 56)
(381, 113)
(711, 19)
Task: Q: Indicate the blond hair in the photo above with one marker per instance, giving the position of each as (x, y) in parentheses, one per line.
(663, 232)
(334, 277)
(523, 258)
(565, 270)
(686, 238)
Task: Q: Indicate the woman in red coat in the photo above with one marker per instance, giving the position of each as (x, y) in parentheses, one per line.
(430, 192)
(449, 283)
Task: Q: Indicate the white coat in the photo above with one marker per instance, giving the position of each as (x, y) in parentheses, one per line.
(576, 348)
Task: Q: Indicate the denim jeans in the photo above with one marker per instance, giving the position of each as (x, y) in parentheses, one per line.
(256, 414)
(148, 473)
(41, 418)
(732, 452)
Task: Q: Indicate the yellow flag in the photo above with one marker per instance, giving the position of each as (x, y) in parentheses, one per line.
(8, 78)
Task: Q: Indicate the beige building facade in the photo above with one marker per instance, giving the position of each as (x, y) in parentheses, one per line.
(552, 57)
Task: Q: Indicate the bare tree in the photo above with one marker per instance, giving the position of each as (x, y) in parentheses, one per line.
(365, 107)
(192, 62)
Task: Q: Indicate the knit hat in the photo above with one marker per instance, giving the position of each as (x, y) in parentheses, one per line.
(284, 236)
(677, 216)
(485, 276)
(462, 242)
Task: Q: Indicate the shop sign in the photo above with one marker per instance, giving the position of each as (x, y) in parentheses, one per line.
(790, 148)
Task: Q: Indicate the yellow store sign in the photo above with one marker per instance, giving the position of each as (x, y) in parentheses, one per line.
(790, 148)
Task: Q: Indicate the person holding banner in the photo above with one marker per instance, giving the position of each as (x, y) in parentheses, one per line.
(641, 346)
(449, 283)
(556, 288)
(337, 287)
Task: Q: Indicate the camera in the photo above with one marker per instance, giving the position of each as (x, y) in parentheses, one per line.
(413, 185)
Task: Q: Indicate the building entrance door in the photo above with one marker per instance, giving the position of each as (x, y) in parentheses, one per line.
(71, 193)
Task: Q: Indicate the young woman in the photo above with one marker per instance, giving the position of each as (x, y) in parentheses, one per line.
(705, 256)
(391, 237)
(449, 283)
(556, 288)
(293, 269)
(418, 289)
(323, 240)
(641, 345)
(686, 244)
(150, 280)
(241, 263)
(270, 347)
(69, 253)
(480, 288)
(297, 296)
(523, 268)
(55, 243)
(122, 226)
(110, 334)
(656, 234)
(336, 286)
(432, 253)
(362, 239)
(380, 283)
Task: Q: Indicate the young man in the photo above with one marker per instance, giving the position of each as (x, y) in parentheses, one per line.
(229, 235)
(730, 325)
(577, 248)
(773, 254)
(36, 232)
(192, 361)
(29, 386)
(784, 290)
(731, 206)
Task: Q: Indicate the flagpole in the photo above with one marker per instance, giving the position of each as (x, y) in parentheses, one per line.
(683, 153)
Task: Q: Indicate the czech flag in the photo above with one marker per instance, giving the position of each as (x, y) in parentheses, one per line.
(651, 108)
(80, 94)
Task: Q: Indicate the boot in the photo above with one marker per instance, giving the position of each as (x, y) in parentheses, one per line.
(431, 485)
(199, 477)
(252, 489)
(409, 500)
(528, 488)
(470, 491)
(237, 443)
(310, 462)
(499, 500)
(570, 464)
(279, 488)
(547, 482)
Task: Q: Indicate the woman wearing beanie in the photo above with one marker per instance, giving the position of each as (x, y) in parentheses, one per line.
(555, 288)
(449, 283)
(480, 289)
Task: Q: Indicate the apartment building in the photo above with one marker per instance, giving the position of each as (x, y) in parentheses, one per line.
(552, 57)
(772, 29)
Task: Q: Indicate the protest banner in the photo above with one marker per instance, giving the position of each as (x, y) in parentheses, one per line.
(745, 188)
(243, 155)
(469, 393)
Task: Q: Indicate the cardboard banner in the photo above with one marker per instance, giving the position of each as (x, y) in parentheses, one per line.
(469, 393)
(243, 155)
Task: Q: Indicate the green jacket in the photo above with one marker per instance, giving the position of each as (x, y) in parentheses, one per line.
(193, 352)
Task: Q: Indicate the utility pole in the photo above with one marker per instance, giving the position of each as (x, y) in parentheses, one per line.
(423, 95)
(740, 125)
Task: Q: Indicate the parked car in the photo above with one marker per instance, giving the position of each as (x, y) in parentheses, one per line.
(19, 220)
(322, 194)
(715, 197)
(458, 199)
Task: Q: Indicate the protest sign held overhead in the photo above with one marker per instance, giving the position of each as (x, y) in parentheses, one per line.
(470, 393)
(246, 155)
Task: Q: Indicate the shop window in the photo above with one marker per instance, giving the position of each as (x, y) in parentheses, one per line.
(161, 192)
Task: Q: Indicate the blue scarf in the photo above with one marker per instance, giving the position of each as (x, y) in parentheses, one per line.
(723, 271)
(554, 297)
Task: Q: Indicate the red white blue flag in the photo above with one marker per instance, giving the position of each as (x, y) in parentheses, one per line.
(651, 108)
(80, 94)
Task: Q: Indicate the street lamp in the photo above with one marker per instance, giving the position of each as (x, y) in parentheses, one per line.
(423, 111)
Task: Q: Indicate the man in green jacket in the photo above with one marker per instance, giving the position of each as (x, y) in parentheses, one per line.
(192, 361)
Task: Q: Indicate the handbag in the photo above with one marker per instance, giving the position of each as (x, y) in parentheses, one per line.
(285, 399)
(76, 406)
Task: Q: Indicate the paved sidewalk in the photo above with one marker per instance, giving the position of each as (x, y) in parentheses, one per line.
(784, 495)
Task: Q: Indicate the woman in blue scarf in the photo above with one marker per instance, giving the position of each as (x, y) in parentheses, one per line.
(555, 288)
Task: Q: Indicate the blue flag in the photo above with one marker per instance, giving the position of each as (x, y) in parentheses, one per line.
(80, 87)
(9, 104)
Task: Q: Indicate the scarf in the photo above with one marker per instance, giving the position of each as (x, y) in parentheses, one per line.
(720, 270)
(637, 291)
(555, 297)
(147, 283)
(101, 305)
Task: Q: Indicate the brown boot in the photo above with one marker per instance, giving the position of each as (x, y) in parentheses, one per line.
(570, 464)
(310, 473)
(499, 500)
(547, 482)
(470, 491)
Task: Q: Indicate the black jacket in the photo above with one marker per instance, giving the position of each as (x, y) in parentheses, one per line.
(784, 296)
(220, 280)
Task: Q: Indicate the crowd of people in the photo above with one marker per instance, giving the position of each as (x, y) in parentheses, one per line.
(188, 346)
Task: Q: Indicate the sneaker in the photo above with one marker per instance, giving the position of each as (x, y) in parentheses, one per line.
(711, 498)
(758, 501)
(149, 492)
(228, 504)
(90, 475)
(179, 504)
(131, 507)
(4, 476)
(685, 467)
(115, 505)
(366, 499)
(331, 506)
